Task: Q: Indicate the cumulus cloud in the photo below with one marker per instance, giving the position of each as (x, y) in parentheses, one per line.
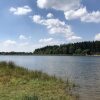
(54, 26)
(83, 15)
(37, 19)
(49, 41)
(22, 37)
(49, 15)
(20, 10)
(74, 39)
(12, 45)
(45, 40)
(91, 17)
(73, 9)
(74, 14)
(63, 5)
(9, 43)
(97, 37)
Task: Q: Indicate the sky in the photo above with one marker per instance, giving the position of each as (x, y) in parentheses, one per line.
(29, 24)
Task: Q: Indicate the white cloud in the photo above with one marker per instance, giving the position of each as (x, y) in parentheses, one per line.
(54, 26)
(74, 14)
(12, 45)
(20, 10)
(73, 9)
(22, 37)
(9, 43)
(49, 41)
(37, 19)
(83, 15)
(63, 5)
(97, 37)
(74, 39)
(45, 40)
(49, 15)
(24, 44)
(91, 17)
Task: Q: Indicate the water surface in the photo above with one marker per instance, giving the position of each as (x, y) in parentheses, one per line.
(84, 71)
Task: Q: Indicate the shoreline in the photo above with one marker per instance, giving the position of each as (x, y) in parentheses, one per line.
(18, 83)
(46, 55)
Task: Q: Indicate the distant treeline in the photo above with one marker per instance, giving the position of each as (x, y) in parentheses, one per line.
(81, 48)
(16, 53)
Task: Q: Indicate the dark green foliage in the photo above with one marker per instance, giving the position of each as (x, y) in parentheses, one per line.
(16, 53)
(82, 48)
(78, 51)
(11, 64)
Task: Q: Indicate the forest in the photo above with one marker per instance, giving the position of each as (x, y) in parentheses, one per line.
(79, 48)
(16, 53)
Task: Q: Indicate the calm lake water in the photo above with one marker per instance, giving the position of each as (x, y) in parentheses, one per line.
(85, 71)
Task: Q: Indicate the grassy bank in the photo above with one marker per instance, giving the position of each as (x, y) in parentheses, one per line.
(17, 83)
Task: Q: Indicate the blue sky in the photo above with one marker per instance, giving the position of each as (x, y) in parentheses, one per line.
(29, 24)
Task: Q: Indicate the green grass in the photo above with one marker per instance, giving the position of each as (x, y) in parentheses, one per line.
(17, 83)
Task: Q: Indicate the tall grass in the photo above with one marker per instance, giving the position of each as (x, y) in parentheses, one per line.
(19, 72)
(27, 82)
(30, 98)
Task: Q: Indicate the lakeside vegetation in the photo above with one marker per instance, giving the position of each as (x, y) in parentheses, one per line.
(17, 83)
(16, 53)
(81, 48)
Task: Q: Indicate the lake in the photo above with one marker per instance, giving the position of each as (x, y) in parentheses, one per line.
(83, 70)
